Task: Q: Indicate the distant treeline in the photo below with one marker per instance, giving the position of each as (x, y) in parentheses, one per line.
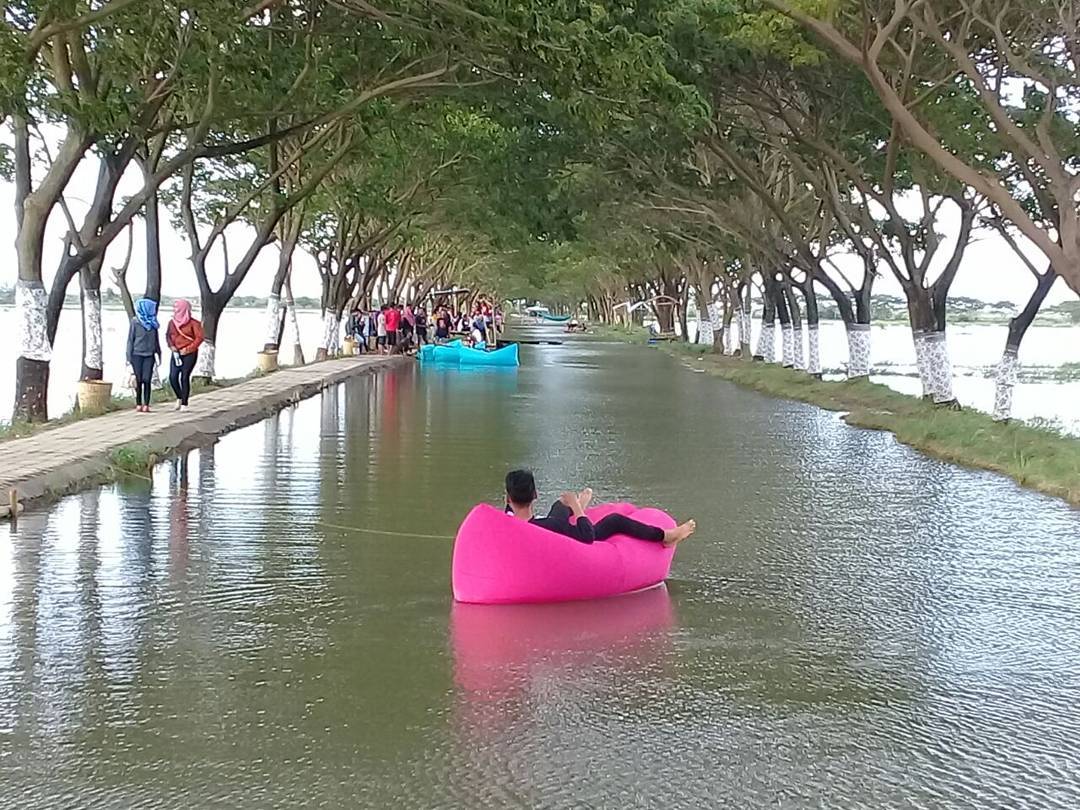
(885, 307)
(111, 299)
(960, 309)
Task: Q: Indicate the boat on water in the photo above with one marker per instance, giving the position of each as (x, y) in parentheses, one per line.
(457, 353)
(500, 560)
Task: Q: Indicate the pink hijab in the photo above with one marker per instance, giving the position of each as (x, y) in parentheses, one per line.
(181, 312)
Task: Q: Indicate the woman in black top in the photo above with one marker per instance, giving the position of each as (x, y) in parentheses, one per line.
(143, 350)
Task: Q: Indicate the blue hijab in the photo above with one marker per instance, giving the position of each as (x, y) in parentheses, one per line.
(146, 312)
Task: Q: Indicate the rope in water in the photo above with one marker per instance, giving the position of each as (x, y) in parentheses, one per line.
(381, 531)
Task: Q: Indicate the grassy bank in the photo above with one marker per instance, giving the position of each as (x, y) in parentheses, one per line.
(1040, 459)
(616, 334)
(158, 396)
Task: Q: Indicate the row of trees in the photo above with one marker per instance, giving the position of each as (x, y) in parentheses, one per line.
(395, 141)
(580, 152)
(891, 133)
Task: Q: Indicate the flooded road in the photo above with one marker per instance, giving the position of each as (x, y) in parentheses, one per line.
(268, 623)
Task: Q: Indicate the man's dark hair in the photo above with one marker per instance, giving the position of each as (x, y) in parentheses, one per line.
(520, 487)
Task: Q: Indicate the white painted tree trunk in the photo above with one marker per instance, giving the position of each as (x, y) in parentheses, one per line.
(798, 357)
(766, 347)
(813, 365)
(704, 330)
(919, 339)
(716, 323)
(92, 328)
(939, 368)
(204, 366)
(787, 345)
(273, 320)
(728, 330)
(858, 339)
(31, 335)
(331, 337)
(298, 352)
(744, 331)
(1008, 373)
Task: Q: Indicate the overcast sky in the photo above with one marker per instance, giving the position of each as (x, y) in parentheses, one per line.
(990, 271)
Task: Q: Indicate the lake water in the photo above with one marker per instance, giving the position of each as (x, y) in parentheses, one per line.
(267, 622)
(974, 349)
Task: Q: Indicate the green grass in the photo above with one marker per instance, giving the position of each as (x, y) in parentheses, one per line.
(17, 430)
(132, 458)
(1039, 458)
(618, 334)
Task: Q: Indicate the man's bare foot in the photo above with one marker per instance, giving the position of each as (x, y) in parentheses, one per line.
(679, 533)
(585, 497)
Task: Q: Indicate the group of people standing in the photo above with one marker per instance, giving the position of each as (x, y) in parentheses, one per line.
(183, 337)
(388, 329)
(398, 328)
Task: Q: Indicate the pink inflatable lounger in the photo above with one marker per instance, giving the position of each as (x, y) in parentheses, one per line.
(500, 560)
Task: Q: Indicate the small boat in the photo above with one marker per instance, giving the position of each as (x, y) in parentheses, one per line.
(506, 356)
(555, 318)
(440, 354)
(457, 353)
(500, 560)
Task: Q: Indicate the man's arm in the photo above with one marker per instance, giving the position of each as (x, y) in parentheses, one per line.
(582, 527)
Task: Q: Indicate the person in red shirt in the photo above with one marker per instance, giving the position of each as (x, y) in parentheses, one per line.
(184, 336)
(393, 323)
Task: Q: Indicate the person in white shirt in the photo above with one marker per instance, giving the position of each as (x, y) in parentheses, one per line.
(380, 326)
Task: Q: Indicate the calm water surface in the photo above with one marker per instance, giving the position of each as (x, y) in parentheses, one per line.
(267, 623)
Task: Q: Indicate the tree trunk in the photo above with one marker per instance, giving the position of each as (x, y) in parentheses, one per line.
(783, 314)
(153, 248)
(330, 343)
(90, 298)
(705, 334)
(725, 328)
(298, 351)
(32, 210)
(931, 347)
(792, 302)
(1008, 370)
(742, 297)
(766, 347)
(716, 327)
(34, 352)
(274, 323)
(858, 337)
(681, 313)
(211, 315)
(813, 336)
(858, 331)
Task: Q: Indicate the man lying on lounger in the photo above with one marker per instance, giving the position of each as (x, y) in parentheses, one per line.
(521, 494)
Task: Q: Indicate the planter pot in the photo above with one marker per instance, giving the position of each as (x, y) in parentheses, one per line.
(94, 395)
(268, 361)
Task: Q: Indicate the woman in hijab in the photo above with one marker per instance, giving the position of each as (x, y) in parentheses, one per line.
(143, 350)
(184, 336)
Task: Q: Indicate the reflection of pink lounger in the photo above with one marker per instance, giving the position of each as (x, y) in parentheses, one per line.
(499, 559)
(496, 647)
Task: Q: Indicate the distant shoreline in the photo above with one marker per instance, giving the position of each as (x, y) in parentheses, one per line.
(1050, 318)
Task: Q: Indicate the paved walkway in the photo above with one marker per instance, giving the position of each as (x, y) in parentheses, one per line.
(61, 459)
